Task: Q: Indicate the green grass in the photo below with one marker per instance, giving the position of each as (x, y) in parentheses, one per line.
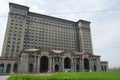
(71, 76)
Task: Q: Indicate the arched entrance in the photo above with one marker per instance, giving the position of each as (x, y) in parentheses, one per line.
(67, 63)
(44, 64)
(15, 68)
(102, 68)
(95, 68)
(86, 64)
(1, 68)
(56, 68)
(8, 68)
(30, 68)
(77, 67)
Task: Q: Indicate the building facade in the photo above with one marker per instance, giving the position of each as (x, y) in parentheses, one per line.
(28, 30)
(50, 60)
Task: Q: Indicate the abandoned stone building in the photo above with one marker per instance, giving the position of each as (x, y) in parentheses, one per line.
(50, 60)
(36, 43)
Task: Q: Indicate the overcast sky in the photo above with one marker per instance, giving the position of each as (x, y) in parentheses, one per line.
(104, 16)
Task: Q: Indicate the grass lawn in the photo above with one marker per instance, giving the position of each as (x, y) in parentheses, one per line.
(70, 76)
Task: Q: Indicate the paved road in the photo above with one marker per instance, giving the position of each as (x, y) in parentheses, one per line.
(4, 77)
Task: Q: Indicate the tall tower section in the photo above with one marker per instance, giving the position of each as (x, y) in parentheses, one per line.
(14, 36)
(85, 40)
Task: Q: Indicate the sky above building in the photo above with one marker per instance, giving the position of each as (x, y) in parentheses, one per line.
(104, 16)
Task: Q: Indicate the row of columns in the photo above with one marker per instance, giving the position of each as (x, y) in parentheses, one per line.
(60, 63)
(53, 60)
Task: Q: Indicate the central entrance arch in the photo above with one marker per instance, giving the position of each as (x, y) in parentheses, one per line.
(67, 63)
(56, 68)
(77, 67)
(86, 64)
(30, 68)
(44, 64)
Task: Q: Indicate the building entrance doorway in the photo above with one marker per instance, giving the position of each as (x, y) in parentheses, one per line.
(56, 68)
(44, 64)
(77, 67)
(67, 63)
(30, 67)
(86, 64)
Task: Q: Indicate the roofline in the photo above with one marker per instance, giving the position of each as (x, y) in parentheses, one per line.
(14, 4)
(84, 21)
(52, 17)
(10, 3)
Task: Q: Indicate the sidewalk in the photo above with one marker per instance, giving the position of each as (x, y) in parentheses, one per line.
(4, 77)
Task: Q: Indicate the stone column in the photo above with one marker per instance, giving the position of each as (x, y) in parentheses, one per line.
(18, 66)
(53, 65)
(50, 64)
(82, 65)
(34, 67)
(90, 65)
(94, 63)
(11, 69)
(72, 64)
(98, 65)
(27, 57)
(38, 64)
(79, 65)
(62, 65)
(4, 69)
(75, 65)
(24, 63)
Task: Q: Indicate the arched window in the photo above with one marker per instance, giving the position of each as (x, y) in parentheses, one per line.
(105, 68)
(67, 63)
(1, 68)
(15, 67)
(8, 68)
(102, 68)
(95, 68)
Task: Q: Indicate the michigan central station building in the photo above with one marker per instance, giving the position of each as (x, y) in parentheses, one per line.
(36, 43)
